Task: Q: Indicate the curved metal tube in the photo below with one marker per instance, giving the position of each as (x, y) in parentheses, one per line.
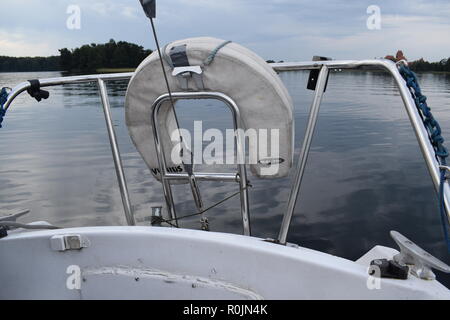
(100, 78)
(304, 152)
(239, 145)
(116, 155)
(387, 65)
(413, 114)
(49, 82)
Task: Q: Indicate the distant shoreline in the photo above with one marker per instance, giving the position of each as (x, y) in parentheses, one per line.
(379, 70)
(101, 70)
(112, 56)
(115, 70)
(31, 71)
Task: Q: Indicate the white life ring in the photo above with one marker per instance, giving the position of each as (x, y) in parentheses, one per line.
(237, 72)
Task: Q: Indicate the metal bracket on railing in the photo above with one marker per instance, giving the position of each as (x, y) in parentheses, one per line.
(36, 92)
(418, 259)
(447, 171)
(314, 75)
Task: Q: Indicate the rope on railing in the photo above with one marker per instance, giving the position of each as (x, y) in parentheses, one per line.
(3, 97)
(435, 135)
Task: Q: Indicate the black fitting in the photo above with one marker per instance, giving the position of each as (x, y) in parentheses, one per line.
(314, 75)
(3, 231)
(149, 7)
(384, 268)
(35, 90)
(156, 221)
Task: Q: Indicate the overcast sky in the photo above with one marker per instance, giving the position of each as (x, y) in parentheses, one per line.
(275, 29)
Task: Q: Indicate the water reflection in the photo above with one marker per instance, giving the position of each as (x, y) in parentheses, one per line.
(365, 174)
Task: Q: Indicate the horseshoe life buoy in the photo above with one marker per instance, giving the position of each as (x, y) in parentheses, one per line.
(263, 100)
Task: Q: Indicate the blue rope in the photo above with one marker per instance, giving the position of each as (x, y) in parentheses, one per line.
(3, 98)
(208, 59)
(213, 53)
(435, 135)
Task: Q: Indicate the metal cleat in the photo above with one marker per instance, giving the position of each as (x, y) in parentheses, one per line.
(14, 214)
(419, 261)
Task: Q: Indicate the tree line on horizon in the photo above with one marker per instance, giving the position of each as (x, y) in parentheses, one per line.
(89, 58)
(112, 55)
(421, 65)
(21, 64)
(85, 59)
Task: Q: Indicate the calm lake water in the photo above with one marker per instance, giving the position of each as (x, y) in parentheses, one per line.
(365, 174)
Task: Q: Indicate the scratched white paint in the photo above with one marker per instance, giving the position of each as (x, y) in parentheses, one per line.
(196, 282)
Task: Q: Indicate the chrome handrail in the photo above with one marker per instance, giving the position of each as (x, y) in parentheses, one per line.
(49, 82)
(415, 118)
(240, 145)
(413, 114)
(304, 152)
(100, 80)
(116, 154)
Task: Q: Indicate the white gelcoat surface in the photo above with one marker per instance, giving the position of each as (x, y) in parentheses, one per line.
(166, 263)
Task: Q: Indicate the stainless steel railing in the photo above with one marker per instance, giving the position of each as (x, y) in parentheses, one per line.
(100, 79)
(116, 154)
(413, 114)
(240, 145)
(416, 121)
(304, 152)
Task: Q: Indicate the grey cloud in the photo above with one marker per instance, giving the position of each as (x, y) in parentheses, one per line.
(278, 29)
